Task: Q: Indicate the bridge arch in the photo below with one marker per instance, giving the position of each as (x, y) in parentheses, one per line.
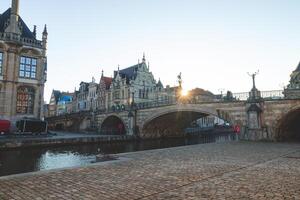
(164, 122)
(288, 126)
(113, 125)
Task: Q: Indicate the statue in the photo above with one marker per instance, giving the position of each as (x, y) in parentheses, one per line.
(253, 77)
(179, 79)
(254, 94)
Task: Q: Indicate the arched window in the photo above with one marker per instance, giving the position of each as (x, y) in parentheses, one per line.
(25, 100)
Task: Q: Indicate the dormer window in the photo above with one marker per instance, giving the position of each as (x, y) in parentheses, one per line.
(1, 62)
(28, 67)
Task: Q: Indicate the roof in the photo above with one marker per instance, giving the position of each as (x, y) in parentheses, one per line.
(107, 81)
(26, 33)
(56, 94)
(298, 68)
(159, 84)
(128, 73)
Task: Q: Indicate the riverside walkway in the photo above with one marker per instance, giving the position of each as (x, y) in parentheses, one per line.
(236, 170)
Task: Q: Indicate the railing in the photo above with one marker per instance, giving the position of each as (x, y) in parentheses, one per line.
(243, 96)
(17, 38)
(271, 94)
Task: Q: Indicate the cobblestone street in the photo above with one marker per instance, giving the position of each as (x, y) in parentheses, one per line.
(237, 170)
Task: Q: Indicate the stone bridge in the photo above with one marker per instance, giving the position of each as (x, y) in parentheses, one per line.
(276, 120)
(71, 122)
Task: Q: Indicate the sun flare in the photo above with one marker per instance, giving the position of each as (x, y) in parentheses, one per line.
(184, 92)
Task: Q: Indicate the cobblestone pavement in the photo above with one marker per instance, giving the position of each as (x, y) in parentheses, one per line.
(237, 170)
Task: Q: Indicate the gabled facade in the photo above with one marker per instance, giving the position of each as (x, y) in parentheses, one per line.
(103, 89)
(82, 97)
(60, 103)
(133, 83)
(53, 102)
(64, 104)
(23, 67)
(92, 103)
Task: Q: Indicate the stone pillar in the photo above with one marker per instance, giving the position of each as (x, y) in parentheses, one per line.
(130, 123)
(10, 85)
(254, 130)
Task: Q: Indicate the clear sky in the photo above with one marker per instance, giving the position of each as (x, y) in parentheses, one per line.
(214, 43)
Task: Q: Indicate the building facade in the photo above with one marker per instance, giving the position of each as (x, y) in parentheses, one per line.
(60, 103)
(82, 97)
(23, 67)
(92, 103)
(135, 83)
(104, 86)
(293, 89)
(52, 107)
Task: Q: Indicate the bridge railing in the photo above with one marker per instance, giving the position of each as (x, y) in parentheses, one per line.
(242, 96)
(270, 94)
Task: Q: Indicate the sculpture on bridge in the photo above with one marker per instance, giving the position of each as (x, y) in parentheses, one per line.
(254, 94)
(179, 79)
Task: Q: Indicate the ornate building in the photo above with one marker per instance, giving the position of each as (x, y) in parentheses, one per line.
(293, 89)
(92, 103)
(133, 83)
(23, 66)
(52, 107)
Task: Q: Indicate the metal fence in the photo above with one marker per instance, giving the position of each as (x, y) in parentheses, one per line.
(242, 96)
(270, 94)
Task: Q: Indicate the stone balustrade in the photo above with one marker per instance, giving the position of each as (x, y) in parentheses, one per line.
(24, 41)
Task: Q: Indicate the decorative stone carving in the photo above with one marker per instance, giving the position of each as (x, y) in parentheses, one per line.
(293, 89)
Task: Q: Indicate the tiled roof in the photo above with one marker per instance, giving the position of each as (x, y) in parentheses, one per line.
(26, 33)
(128, 73)
(107, 81)
(159, 84)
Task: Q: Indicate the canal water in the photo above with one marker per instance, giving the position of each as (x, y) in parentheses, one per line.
(44, 158)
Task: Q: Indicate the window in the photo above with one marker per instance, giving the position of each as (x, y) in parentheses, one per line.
(1, 61)
(28, 67)
(25, 100)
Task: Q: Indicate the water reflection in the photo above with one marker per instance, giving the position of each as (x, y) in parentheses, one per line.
(44, 158)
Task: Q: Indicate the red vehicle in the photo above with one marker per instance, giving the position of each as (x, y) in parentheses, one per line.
(4, 126)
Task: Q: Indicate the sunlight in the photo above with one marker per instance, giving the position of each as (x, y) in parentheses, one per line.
(184, 92)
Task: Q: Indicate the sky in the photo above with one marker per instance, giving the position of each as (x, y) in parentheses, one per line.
(213, 43)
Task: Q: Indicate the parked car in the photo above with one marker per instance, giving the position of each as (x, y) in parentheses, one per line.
(4, 126)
